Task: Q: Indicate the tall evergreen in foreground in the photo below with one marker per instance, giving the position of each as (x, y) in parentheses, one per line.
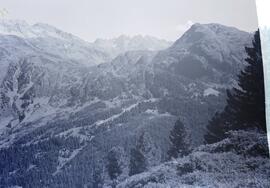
(144, 155)
(137, 159)
(216, 128)
(113, 166)
(245, 107)
(178, 138)
(137, 162)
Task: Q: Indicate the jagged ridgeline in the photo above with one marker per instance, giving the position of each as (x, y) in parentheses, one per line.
(102, 114)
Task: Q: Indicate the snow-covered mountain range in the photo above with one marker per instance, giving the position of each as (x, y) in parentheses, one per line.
(125, 43)
(66, 102)
(47, 39)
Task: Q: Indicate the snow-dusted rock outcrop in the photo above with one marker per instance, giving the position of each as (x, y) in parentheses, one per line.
(124, 43)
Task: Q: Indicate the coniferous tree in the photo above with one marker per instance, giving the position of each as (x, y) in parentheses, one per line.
(98, 180)
(245, 107)
(145, 155)
(216, 128)
(137, 159)
(113, 166)
(137, 162)
(178, 138)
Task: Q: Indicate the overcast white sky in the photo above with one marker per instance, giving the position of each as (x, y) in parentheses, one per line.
(168, 19)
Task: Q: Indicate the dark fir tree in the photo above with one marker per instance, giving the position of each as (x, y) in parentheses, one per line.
(216, 128)
(245, 107)
(246, 104)
(137, 159)
(178, 139)
(98, 180)
(113, 166)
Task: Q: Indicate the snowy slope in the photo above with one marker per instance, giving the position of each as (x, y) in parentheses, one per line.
(48, 39)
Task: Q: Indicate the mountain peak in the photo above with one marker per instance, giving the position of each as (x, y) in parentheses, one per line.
(13, 22)
(45, 26)
(25, 30)
(125, 43)
(209, 33)
(215, 28)
(14, 27)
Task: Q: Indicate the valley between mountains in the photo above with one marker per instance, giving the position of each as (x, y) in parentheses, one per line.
(66, 103)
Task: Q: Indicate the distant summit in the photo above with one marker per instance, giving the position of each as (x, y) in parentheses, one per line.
(125, 43)
(104, 48)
